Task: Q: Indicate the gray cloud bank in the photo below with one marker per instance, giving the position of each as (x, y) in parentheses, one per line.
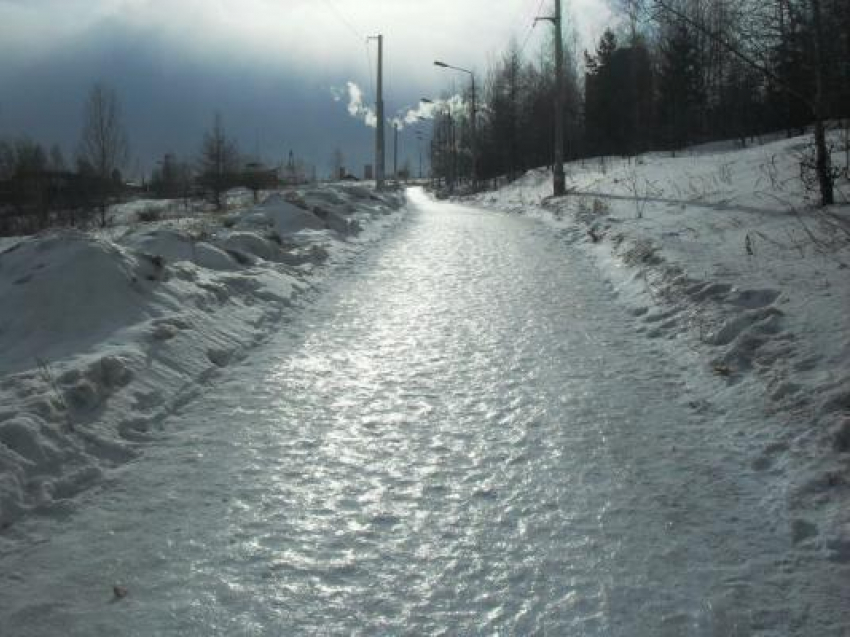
(266, 65)
(169, 99)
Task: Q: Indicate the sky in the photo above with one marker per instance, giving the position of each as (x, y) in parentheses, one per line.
(284, 74)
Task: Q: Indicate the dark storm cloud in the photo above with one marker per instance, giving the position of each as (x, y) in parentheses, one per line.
(169, 99)
(268, 66)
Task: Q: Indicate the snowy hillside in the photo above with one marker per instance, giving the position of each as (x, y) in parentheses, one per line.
(723, 252)
(103, 334)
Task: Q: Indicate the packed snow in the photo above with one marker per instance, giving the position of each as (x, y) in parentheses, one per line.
(463, 431)
(725, 252)
(718, 258)
(104, 333)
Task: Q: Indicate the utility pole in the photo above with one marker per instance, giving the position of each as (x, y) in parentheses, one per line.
(472, 120)
(379, 108)
(419, 140)
(559, 179)
(451, 141)
(431, 164)
(395, 152)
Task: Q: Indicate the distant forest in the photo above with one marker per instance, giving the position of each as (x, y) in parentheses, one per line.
(673, 74)
(40, 189)
(676, 73)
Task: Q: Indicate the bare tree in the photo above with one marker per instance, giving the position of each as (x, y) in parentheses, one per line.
(816, 104)
(219, 162)
(103, 146)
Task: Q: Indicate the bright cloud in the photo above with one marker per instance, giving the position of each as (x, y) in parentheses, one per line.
(266, 64)
(299, 35)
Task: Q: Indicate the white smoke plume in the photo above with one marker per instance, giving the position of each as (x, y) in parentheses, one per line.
(356, 107)
(427, 110)
(404, 117)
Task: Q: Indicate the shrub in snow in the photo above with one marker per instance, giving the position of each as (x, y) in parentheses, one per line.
(149, 214)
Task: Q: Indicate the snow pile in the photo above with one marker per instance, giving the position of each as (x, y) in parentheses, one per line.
(286, 218)
(63, 287)
(725, 253)
(104, 334)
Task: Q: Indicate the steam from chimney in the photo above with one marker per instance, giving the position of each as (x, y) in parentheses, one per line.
(356, 107)
(404, 117)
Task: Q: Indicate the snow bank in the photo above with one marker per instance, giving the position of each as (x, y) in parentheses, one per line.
(63, 288)
(102, 335)
(285, 218)
(724, 253)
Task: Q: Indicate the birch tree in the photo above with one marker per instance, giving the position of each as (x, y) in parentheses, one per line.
(103, 145)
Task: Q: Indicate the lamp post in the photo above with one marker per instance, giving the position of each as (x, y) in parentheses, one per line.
(379, 108)
(395, 153)
(435, 146)
(448, 155)
(472, 120)
(420, 135)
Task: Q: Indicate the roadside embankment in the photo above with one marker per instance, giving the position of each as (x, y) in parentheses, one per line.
(723, 251)
(103, 334)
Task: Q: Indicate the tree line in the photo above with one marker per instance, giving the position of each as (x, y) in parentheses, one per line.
(674, 74)
(39, 188)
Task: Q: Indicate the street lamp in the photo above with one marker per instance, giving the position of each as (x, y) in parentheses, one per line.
(472, 119)
(448, 155)
(425, 100)
(420, 138)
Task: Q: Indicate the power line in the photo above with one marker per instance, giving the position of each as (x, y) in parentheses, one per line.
(531, 27)
(343, 19)
(520, 17)
(348, 25)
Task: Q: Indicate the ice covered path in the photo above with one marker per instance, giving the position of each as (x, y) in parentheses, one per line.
(462, 434)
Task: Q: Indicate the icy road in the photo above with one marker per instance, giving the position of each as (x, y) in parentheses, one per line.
(462, 433)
